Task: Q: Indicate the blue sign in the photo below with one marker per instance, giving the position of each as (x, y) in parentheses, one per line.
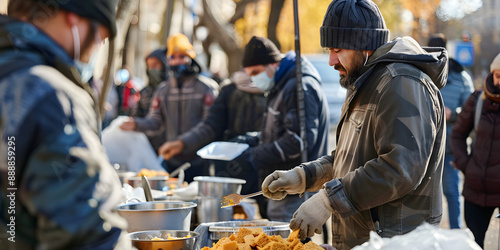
(464, 53)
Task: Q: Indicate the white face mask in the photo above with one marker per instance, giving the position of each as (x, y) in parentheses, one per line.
(263, 81)
(86, 69)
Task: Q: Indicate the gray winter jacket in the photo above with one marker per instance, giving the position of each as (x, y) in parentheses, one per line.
(385, 174)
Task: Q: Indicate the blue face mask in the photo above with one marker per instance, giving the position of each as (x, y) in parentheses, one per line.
(263, 81)
(86, 69)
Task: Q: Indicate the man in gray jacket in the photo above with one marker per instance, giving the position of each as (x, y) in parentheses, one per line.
(385, 174)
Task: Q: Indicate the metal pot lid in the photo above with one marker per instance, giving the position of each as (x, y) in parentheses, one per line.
(219, 179)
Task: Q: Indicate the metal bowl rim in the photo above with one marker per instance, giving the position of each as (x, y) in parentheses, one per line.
(216, 179)
(121, 208)
(233, 226)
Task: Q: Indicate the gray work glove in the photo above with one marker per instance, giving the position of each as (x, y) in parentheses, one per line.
(280, 183)
(311, 215)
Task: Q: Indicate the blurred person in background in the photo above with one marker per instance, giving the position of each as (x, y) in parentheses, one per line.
(128, 93)
(179, 104)
(66, 191)
(238, 109)
(458, 88)
(481, 167)
(279, 145)
(157, 71)
(385, 174)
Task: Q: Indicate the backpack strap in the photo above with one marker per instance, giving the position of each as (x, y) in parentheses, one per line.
(478, 110)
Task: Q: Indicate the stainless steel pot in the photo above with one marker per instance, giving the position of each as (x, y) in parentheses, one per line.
(212, 186)
(131, 178)
(210, 190)
(143, 240)
(157, 215)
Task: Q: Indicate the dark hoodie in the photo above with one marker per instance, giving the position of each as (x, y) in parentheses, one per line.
(385, 174)
(280, 144)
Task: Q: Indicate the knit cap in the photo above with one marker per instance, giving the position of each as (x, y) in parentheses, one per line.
(495, 65)
(353, 24)
(180, 43)
(260, 51)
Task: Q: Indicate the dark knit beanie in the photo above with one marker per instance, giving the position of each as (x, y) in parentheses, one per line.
(103, 11)
(353, 24)
(260, 51)
(437, 40)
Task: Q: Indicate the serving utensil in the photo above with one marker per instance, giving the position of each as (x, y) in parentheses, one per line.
(235, 199)
(147, 189)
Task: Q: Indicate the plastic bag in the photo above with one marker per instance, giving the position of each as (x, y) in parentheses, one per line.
(130, 149)
(424, 236)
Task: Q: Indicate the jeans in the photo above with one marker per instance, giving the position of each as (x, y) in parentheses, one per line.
(478, 219)
(283, 210)
(451, 191)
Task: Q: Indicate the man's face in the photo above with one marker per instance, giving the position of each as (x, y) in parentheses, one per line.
(496, 78)
(154, 63)
(348, 63)
(91, 34)
(178, 59)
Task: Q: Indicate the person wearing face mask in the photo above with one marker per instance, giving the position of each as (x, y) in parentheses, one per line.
(480, 165)
(179, 104)
(58, 189)
(279, 145)
(385, 173)
(157, 71)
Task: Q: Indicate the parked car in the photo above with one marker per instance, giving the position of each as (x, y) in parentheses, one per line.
(335, 94)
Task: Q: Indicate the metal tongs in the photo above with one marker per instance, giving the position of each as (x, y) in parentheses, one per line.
(235, 199)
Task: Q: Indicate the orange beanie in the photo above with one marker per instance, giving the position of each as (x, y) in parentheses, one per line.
(179, 43)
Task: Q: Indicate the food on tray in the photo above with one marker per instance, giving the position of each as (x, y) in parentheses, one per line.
(255, 238)
(151, 173)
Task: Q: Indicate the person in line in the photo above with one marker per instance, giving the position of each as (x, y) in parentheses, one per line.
(58, 189)
(385, 174)
(279, 145)
(238, 109)
(481, 167)
(157, 71)
(180, 104)
(458, 88)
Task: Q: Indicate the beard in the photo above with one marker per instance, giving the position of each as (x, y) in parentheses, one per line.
(354, 72)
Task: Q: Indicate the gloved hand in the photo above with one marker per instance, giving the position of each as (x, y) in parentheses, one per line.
(280, 183)
(311, 215)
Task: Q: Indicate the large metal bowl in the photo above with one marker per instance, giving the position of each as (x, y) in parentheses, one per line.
(225, 229)
(143, 240)
(213, 186)
(131, 178)
(157, 215)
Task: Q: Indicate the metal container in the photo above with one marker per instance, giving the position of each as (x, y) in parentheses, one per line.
(157, 215)
(131, 178)
(225, 229)
(209, 210)
(210, 190)
(212, 186)
(142, 240)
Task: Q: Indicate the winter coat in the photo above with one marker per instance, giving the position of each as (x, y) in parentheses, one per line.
(179, 109)
(234, 112)
(66, 188)
(458, 88)
(481, 167)
(385, 174)
(280, 145)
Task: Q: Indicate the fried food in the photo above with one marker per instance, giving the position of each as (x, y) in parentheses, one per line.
(256, 239)
(151, 173)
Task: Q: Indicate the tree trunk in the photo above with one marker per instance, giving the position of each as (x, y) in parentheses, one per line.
(274, 17)
(226, 41)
